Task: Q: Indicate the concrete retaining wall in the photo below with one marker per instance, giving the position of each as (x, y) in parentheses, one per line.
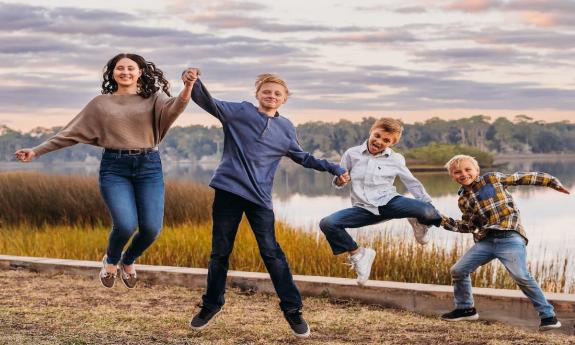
(509, 306)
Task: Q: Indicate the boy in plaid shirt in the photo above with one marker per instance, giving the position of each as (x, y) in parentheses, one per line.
(489, 212)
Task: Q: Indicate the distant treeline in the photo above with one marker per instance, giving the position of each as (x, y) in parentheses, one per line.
(522, 135)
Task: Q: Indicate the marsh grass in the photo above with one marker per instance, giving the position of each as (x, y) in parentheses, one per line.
(64, 217)
(36, 200)
(188, 245)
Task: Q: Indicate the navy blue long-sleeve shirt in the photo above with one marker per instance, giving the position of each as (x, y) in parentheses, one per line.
(254, 144)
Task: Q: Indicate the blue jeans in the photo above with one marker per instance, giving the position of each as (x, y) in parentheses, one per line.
(227, 213)
(334, 225)
(132, 187)
(509, 248)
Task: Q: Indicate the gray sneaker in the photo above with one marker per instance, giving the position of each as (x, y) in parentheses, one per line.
(361, 262)
(129, 279)
(203, 317)
(299, 327)
(419, 231)
(106, 278)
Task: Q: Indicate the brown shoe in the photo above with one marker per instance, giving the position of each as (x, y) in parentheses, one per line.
(129, 279)
(106, 278)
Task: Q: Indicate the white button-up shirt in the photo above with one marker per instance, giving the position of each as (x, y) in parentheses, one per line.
(372, 177)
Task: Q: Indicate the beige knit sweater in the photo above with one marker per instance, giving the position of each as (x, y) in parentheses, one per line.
(119, 122)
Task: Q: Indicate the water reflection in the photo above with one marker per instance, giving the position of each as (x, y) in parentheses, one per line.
(303, 196)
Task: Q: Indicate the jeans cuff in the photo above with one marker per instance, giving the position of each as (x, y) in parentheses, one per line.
(111, 261)
(290, 309)
(128, 262)
(465, 306)
(337, 252)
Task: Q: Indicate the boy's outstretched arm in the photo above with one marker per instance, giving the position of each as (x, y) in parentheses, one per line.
(202, 97)
(306, 159)
(531, 178)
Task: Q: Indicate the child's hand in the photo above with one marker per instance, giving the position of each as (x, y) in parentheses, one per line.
(444, 219)
(563, 190)
(342, 179)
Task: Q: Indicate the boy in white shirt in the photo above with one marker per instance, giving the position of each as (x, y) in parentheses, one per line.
(373, 167)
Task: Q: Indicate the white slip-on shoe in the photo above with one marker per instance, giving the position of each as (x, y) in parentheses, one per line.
(419, 231)
(361, 262)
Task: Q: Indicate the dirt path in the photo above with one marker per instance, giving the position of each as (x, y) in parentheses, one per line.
(40, 309)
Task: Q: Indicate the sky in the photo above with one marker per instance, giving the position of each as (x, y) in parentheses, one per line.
(341, 59)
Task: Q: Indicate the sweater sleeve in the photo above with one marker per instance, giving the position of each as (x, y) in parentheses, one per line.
(82, 129)
(166, 111)
(219, 109)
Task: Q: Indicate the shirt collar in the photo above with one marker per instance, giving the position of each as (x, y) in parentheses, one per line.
(276, 115)
(387, 152)
(463, 190)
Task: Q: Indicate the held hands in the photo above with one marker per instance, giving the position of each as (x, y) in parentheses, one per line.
(25, 155)
(190, 75)
(342, 179)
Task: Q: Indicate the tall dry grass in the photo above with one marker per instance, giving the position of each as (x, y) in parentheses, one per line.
(35, 200)
(398, 258)
(65, 217)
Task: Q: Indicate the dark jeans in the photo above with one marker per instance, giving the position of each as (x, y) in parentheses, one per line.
(132, 187)
(334, 225)
(227, 213)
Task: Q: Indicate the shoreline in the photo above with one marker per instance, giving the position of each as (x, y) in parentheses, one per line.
(499, 160)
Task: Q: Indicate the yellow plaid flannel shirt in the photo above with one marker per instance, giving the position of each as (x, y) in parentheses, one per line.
(487, 205)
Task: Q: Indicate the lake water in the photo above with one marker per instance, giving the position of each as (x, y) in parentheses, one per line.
(303, 196)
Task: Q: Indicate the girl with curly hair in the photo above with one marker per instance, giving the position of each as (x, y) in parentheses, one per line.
(128, 120)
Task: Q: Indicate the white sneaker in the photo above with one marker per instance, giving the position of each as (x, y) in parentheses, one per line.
(419, 231)
(361, 262)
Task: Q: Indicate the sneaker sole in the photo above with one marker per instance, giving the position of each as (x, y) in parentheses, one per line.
(463, 318)
(550, 327)
(207, 323)
(305, 335)
(371, 258)
(423, 241)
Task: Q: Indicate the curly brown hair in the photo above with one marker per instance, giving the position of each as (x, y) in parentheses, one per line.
(151, 80)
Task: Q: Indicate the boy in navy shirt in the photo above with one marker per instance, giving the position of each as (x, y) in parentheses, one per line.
(255, 140)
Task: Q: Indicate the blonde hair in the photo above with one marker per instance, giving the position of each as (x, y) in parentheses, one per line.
(270, 78)
(389, 125)
(456, 160)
